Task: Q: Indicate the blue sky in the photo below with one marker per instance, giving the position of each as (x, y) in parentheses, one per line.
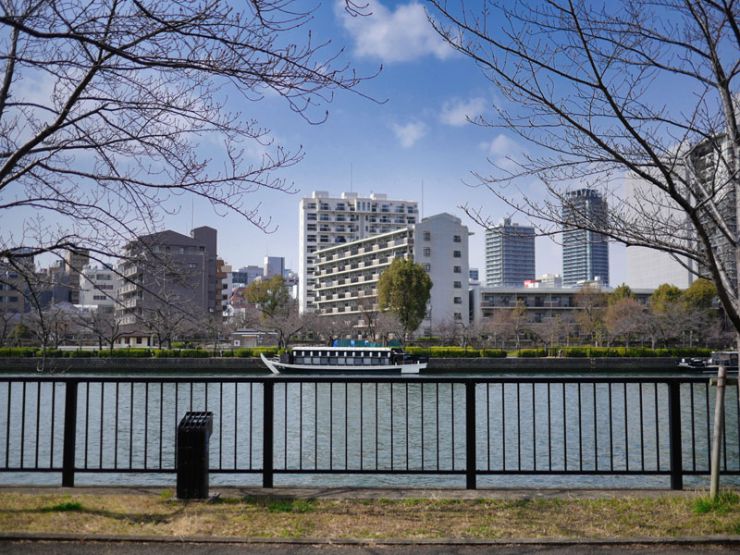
(415, 133)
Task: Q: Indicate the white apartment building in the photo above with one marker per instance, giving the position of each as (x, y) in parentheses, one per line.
(347, 274)
(98, 287)
(325, 221)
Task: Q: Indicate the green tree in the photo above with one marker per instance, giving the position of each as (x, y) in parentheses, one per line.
(270, 296)
(700, 294)
(664, 297)
(620, 292)
(404, 289)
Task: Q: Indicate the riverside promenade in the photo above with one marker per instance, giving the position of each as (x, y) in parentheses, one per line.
(363, 521)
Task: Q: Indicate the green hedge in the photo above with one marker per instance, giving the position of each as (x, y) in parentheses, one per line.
(18, 352)
(618, 352)
(249, 352)
(127, 353)
(454, 352)
(182, 353)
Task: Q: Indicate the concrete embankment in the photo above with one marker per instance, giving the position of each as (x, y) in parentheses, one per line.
(235, 365)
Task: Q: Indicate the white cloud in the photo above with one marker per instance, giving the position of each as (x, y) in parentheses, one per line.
(502, 146)
(401, 35)
(504, 152)
(409, 134)
(458, 112)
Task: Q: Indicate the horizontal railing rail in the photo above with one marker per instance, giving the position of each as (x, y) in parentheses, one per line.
(370, 425)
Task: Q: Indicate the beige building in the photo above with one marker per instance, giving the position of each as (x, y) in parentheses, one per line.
(346, 275)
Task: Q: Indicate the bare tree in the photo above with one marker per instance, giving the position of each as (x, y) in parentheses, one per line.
(625, 318)
(590, 316)
(108, 110)
(103, 325)
(583, 86)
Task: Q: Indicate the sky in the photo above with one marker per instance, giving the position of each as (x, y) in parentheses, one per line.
(403, 132)
(412, 136)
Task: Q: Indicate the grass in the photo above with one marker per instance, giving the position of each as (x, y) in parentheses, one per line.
(726, 502)
(273, 517)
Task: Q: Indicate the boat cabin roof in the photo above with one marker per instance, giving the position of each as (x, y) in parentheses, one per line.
(340, 349)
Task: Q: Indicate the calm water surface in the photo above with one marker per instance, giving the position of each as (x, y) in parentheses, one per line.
(356, 427)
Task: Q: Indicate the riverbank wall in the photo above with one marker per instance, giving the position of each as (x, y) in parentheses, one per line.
(237, 365)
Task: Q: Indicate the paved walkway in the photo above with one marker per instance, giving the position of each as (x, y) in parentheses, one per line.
(138, 548)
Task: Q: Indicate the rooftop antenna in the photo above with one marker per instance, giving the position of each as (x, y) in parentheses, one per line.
(422, 200)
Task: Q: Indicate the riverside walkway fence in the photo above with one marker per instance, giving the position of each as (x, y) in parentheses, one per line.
(368, 425)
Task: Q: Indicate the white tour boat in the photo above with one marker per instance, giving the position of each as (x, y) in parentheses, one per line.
(345, 359)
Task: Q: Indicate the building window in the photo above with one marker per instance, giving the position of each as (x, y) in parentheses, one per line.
(457, 269)
(311, 217)
(427, 268)
(457, 300)
(457, 239)
(427, 235)
(427, 251)
(456, 254)
(457, 316)
(457, 285)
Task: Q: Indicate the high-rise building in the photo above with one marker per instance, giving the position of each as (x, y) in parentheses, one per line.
(347, 274)
(509, 254)
(168, 271)
(325, 221)
(648, 268)
(707, 166)
(274, 266)
(74, 263)
(585, 252)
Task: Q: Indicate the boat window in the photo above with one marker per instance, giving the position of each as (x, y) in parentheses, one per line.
(342, 361)
(333, 361)
(376, 361)
(299, 360)
(368, 360)
(324, 360)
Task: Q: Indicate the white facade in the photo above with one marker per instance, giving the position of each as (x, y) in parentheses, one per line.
(325, 221)
(648, 268)
(441, 246)
(98, 287)
(347, 275)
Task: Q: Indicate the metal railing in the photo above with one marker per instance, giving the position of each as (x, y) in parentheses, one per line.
(467, 426)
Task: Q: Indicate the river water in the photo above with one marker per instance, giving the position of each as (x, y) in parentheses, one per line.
(527, 428)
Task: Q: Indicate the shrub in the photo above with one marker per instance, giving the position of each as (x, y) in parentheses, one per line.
(493, 353)
(23, 352)
(531, 353)
(127, 353)
(79, 353)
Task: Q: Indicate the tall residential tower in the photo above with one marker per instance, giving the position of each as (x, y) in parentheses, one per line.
(509, 254)
(585, 252)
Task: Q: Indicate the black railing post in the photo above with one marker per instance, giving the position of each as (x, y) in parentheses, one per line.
(674, 425)
(70, 434)
(268, 412)
(470, 456)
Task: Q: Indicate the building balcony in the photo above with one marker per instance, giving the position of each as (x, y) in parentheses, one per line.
(128, 288)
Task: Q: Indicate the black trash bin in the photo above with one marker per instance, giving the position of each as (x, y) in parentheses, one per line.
(191, 451)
